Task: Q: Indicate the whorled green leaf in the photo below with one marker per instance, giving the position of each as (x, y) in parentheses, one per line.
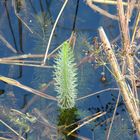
(65, 76)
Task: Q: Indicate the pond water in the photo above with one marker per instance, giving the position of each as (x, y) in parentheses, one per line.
(27, 25)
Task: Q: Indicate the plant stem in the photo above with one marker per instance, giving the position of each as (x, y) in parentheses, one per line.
(52, 32)
(120, 80)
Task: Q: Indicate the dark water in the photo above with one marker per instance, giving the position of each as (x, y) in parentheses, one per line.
(36, 14)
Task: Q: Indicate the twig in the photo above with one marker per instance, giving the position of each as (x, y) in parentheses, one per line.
(28, 65)
(77, 136)
(92, 94)
(124, 24)
(86, 122)
(12, 129)
(14, 6)
(82, 120)
(113, 117)
(10, 24)
(34, 91)
(8, 45)
(130, 8)
(52, 32)
(101, 11)
(20, 61)
(22, 56)
(133, 112)
(135, 27)
(35, 97)
(111, 2)
(2, 138)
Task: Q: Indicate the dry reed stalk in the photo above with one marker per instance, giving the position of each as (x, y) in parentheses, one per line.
(110, 2)
(125, 92)
(101, 11)
(86, 122)
(8, 45)
(2, 138)
(21, 61)
(10, 128)
(95, 93)
(24, 56)
(18, 16)
(29, 89)
(35, 97)
(27, 65)
(82, 120)
(52, 32)
(135, 27)
(124, 25)
(130, 7)
(113, 117)
(76, 135)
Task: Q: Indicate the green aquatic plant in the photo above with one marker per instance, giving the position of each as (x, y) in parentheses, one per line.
(17, 119)
(65, 75)
(42, 28)
(65, 119)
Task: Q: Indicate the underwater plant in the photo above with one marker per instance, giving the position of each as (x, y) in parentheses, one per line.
(42, 28)
(65, 75)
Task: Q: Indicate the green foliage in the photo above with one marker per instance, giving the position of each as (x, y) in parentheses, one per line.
(42, 29)
(66, 118)
(17, 118)
(65, 75)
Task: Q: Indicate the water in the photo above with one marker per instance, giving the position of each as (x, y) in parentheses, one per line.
(38, 17)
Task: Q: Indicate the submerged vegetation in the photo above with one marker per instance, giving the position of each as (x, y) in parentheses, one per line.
(81, 81)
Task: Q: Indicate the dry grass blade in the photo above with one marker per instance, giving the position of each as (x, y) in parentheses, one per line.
(34, 91)
(113, 117)
(135, 27)
(101, 11)
(24, 56)
(122, 19)
(24, 64)
(52, 32)
(20, 61)
(24, 23)
(126, 93)
(15, 60)
(86, 122)
(36, 97)
(130, 8)
(12, 130)
(111, 2)
(98, 92)
(84, 119)
(2, 138)
(124, 25)
(77, 136)
(8, 45)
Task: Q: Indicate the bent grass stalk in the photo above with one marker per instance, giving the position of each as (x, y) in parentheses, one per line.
(34, 91)
(52, 32)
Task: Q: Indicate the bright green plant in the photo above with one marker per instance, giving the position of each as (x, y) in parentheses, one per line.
(65, 76)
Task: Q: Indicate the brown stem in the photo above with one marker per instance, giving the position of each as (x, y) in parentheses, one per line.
(125, 91)
(124, 27)
(101, 11)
